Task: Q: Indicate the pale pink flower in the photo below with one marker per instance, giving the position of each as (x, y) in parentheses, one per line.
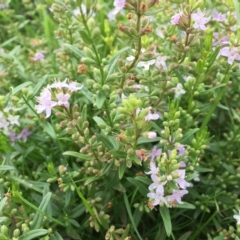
(24, 134)
(39, 56)
(181, 182)
(232, 54)
(175, 19)
(151, 135)
(153, 168)
(154, 153)
(177, 195)
(59, 85)
(157, 196)
(45, 103)
(72, 87)
(200, 20)
(219, 17)
(12, 136)
(181, 150)
(152, 116)
(63, 99)
(119, 5)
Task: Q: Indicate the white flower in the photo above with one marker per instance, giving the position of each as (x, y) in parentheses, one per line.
(158, 196)
(161, 61)
(13, 120)
(146, 65)
(3, 122)
(237, 217)
(153, 168)
(179, 90)
(151, 135)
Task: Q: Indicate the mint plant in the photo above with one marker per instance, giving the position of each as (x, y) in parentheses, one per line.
(119, 119)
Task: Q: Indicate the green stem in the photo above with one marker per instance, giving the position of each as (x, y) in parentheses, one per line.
(139, 46)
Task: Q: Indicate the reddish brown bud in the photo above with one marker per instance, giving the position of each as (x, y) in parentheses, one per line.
(129, 16)
(143, 7)
(82, 68)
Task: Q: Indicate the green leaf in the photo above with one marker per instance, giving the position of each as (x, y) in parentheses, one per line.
(142, 140)
(2, 203)
(179, 76)
(186, 205)
(57, 236)
(39, 85)
(74, 50)
(33, 234)
(6, 168)
(229, 168)
(199, 67)
(114, 142)
(85, 37)
(106, 168)
(91, 179)
(141, 187)
(236, 6)
(213, 56)
(188, 134)
(125, 233)
(103, 221)
(84, 113)
(185, 236)
(105, 140)
(116, 56)
(49, 130)
(77, 155)
(99, 121)
(38, 218)
(84, 200)
(203, 169)
(118, 154)
(100, 99)
(208, 41)
(130, 215)
(20, 87)
(164, 211)
(87, 94)
(121, 169)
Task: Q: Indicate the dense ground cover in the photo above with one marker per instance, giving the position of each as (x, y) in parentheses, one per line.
(119, 119)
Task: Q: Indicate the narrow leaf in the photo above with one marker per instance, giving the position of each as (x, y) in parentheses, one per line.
(100, 99)
(130, 215)
(6, 168)
(164, 211)
(77, 155)
(33, 234)
(37, 220)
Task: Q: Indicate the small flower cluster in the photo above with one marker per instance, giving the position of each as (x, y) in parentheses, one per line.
(9, 122)
(170, 187)
(199, 20)
(159, 60)
(49, 99)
